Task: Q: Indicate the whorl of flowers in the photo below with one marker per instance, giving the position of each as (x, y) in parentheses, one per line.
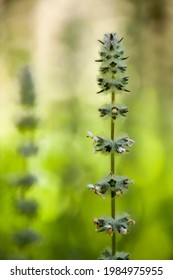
(109, 225)
(114, 185)
(104, 145)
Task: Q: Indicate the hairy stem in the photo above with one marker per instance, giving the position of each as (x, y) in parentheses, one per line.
(113, 172)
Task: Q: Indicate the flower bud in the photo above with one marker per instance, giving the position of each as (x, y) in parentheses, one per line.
(131, 222)
(118, 192)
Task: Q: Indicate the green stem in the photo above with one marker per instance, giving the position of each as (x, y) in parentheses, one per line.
(113, 172)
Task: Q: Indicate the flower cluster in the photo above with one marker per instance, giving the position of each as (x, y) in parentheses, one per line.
(27, 91)
(25, 237)
(28, 149)
(104, 224)
(116, 185)
(25, 181)
(113, 110)
(100, 144)
(28, 122)
(110, 225)
(107, 146)
(112, 68)
(120, 145)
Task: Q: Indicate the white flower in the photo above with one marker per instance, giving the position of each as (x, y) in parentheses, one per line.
(96, 188)
(123, 230)
(90, 134)
(90, 186)
(130, 142)
(121, 150)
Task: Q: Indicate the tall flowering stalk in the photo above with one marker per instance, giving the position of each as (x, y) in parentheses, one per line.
(26, 125)
(112, 80)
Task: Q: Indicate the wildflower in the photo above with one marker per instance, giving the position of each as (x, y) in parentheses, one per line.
(26, 181)
(116, 185)
(113, 110)
(120, 150)
(112, 68)
(112, 79)
(104, 225)
(120, 144)
(130, 222)
(28, 149)
(100, 143)
(122, 224)
(98, 189)
(26, 237)
(27, 91)
(123, 230)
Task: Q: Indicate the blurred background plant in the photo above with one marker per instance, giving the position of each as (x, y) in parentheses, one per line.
(25, 206)
(58, 39)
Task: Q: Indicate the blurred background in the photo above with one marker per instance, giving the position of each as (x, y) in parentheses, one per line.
(57, 39)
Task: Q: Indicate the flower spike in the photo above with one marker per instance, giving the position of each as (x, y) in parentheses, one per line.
(112, 79)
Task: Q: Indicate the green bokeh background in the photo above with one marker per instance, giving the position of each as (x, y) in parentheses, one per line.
(58, 39)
